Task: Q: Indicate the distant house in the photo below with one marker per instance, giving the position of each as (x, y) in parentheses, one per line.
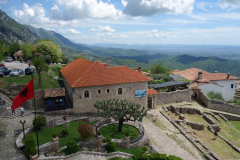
(89, 81)
(18, 55)
(201, 80)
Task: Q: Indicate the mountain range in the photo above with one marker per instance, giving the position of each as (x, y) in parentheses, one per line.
(130, 55)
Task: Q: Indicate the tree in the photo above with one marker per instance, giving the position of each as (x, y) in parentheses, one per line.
(85, 130)
(120, 110)
(79, 56)
(13, 48)
(49, 47)
(41, 66)
(46, 58)
(41, 121)
(65, 60)
(3, 49)
(159, 69)
(26, 49)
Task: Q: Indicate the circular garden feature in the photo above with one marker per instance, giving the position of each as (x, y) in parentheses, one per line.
(112, 131)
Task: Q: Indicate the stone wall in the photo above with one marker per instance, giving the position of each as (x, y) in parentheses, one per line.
(50, 146)
(123, 143)
(219, 105)
(195, 125)
(237, 97)
(39, 101)
(183, 110)
(208, 119)
(15, 89)
(85, 105)
(4, 92)
(96, 142)
(173, 97)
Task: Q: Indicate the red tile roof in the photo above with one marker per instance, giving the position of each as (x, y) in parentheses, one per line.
(82, 73)
(54, 92)
(192, 74)
(152, 91)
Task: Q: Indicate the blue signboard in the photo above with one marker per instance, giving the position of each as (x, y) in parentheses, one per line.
(140, 93)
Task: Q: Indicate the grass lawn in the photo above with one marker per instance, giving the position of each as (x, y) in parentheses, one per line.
(45, 135)
(236, 124)
(218, 146)
(47, 79)
(112, 131)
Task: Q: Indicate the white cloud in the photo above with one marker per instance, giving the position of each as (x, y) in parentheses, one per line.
(188, 36)
(105, 29)
(36, 15)
(124, 3)
(123, 36)
(49, 29)
(207, 36)
(3, 1)
(160, 35)
(184, 22)
(202, 5)
(155, 30)
(230, 4)
(84, 9)
(92, 29)
(69, 31)
(152, 7)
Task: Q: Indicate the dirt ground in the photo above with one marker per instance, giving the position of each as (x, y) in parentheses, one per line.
(13, 65)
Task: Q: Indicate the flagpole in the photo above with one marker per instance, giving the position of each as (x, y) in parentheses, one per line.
(35, 116)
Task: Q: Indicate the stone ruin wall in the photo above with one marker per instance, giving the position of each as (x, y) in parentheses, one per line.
(172, 97)
(218, 105)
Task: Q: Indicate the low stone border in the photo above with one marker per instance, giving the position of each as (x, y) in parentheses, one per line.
(224, 118)
(20, 137)
(208, 153)
(107, 155)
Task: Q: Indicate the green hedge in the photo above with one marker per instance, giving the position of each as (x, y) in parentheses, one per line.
(140, 157)
(72, 146)
(111, 146)
(29, 145)
(115, 158)
(155, 156)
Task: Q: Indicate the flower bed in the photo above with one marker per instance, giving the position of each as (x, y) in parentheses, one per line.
(102, 150)
(50, 154)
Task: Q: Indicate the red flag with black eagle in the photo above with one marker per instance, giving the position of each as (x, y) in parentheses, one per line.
(26, 93)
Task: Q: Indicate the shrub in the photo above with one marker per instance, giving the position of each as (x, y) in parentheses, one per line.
(72, 146)
(85, 130)
(99, 132)
(115, 158)
(106, 139)
(29, 143)
(111, 146)
(144, 148)
(54, 135)
(41, 121)
(64, 132)
(127, 134)
(213, 95)
(33, 151)
(140, 157)
(64, 117)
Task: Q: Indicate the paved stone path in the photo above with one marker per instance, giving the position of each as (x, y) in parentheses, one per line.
(87, 157)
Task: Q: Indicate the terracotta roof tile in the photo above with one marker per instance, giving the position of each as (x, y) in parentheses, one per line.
(152, 92)
(82, 73)
(54, 92)
(192, 74)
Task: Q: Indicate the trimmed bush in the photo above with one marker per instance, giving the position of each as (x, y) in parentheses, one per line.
(72, 146)
(140, 157)
(127, 134)
(29, 141)
(144, 148)
(64, 132)
(54, 135)
(85, 130)
(99, 132)
(111, 146)
(33, 151)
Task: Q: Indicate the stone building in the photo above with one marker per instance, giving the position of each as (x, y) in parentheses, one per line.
(89, 81)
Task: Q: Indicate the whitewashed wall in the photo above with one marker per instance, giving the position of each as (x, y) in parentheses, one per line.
(227, 91)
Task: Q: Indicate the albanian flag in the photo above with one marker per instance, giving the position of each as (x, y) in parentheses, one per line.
(26, 93)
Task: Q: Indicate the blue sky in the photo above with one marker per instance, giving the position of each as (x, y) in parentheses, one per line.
(212, 22)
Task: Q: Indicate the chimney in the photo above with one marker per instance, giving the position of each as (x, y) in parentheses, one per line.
(140, 69)
(228, 75)
(199, 75)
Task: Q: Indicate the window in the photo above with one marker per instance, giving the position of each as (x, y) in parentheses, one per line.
(231, 85)
(119, 90)
(99, 91)
(86, 94)
(108, 91)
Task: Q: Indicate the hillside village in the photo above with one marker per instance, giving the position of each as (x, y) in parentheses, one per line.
(122, 80)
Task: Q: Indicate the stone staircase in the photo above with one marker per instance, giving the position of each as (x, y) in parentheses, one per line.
(9, 114)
